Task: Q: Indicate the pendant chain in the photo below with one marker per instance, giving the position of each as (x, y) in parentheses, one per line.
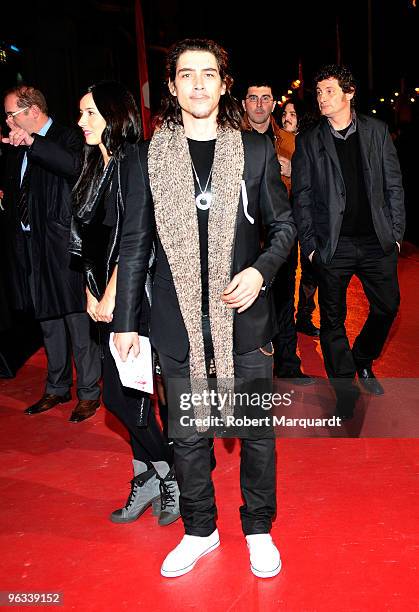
(197, 178)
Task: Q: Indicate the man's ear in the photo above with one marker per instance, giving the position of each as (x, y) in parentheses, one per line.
(223, 88)
(244, 104)
(36, 111)
(350, 94)
(171, 87)
(273, 107)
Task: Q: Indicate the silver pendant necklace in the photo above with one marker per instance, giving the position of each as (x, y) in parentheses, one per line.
(203, 199)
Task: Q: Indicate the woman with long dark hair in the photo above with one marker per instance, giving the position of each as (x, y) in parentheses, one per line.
(111, 183)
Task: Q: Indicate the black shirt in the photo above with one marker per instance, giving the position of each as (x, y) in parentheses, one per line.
(357, 219)
(202, 154)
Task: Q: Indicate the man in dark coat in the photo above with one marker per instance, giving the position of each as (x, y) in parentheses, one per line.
(43, 164)
(348, 195)
(215, 191)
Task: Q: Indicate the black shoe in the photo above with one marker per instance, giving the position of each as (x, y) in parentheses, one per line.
(307, 327)
(367, 379)
(298, 378)
(84, 410)
(48, 401)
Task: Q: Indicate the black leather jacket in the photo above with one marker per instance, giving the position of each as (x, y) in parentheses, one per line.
(119, 178)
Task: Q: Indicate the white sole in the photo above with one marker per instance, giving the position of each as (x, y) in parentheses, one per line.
(269, 574)
(188, 568)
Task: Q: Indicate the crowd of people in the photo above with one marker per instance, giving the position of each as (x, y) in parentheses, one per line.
(191, 239)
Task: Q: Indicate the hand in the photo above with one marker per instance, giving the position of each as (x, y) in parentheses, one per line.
(311, 256)
(124, 341)
(243, 289)
(105, 308)
(91, 305)
(18, 136)
(285, 166)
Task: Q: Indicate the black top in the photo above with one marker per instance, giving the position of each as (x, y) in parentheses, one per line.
(357, 219)
(202, 154)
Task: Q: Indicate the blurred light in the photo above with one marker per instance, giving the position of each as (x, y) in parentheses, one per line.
(412, 99)
(417, 89)
(13, 48)
(392, 101)
(284, 98)
(374, 111)
(298, 82)
(396, 93)
(381, 99)
(289, 91)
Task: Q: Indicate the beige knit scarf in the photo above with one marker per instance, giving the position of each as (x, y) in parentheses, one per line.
(173, 191)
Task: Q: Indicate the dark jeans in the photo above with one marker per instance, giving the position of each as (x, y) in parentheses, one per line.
(307, 290)
(377, 272)
(285, 342)
(135, 411)
(192, 457)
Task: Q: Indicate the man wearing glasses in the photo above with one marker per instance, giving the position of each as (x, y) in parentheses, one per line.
(43, 162)
(259, 105)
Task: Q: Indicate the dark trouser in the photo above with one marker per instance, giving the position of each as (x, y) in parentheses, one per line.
(135, 411)
(307, 290)
(285, 342)
(63, 336)
(192, 458)
(377, 272)
(68, 334)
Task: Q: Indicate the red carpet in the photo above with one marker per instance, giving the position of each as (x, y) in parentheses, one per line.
(348, 509)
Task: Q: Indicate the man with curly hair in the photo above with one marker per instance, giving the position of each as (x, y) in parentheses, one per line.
(349, 210)
(213, 191)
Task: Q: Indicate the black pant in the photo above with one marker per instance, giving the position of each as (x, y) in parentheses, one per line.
(192, 457)
(66, 335)
(69, 334)
(308, 287)
(285, 342)
(377, 272)
(135, 410)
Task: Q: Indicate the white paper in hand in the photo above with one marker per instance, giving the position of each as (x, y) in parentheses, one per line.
(135, 372)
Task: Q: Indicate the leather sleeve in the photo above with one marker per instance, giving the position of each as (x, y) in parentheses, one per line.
(302, 196)
(276, 217)
(134, 251)
(393, 187)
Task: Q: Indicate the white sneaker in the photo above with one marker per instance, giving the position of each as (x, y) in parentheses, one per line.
(265, 561)
(182, 559)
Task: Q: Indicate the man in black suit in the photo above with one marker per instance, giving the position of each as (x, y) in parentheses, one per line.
(349, 210)
(43, 163)
(213, 191)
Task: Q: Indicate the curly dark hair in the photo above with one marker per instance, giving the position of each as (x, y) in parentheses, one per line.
(229, 111)
(342, 74)
(306, 116)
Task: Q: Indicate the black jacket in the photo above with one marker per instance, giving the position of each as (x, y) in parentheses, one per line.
(267, 204)
(55, 162)
(318, 188)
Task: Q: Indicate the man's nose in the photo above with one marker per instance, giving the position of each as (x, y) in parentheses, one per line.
(259, 102)
(199, 83)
